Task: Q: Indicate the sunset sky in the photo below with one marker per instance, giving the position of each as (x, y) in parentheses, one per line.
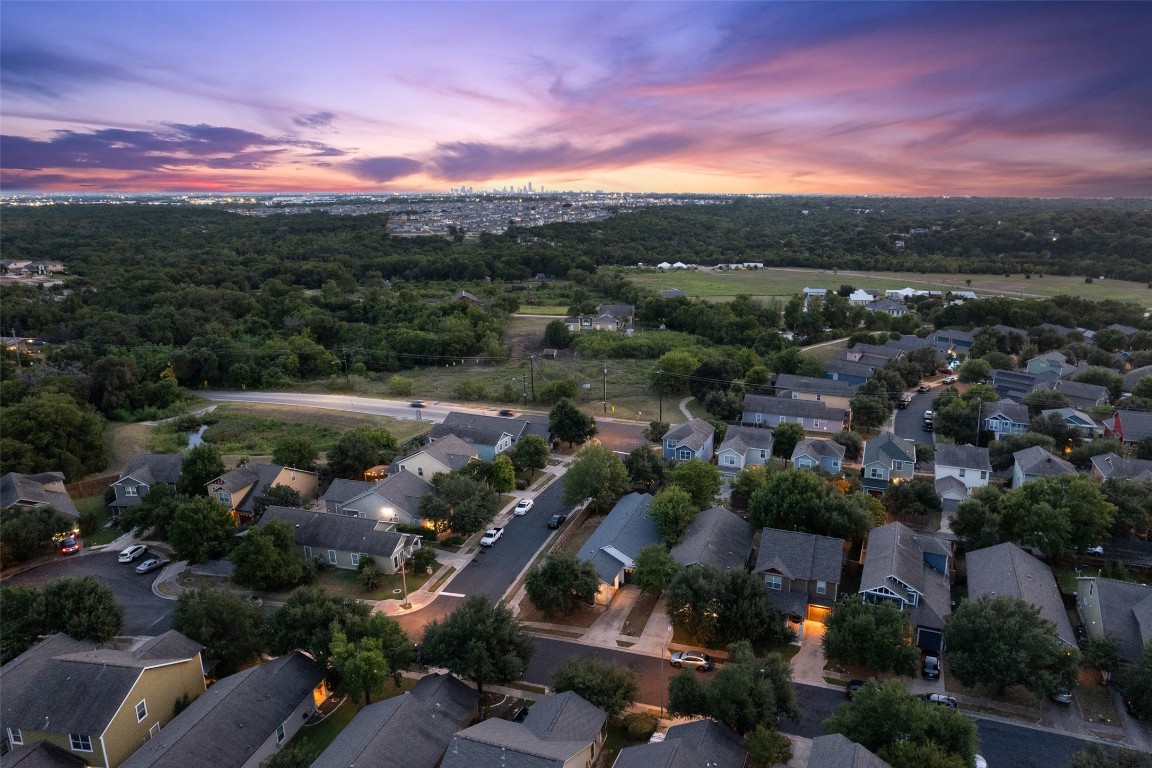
(913, 98)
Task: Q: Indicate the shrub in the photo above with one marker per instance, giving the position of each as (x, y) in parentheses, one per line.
(471, 389)
(368, 573)
(640, 725)
(89, 522)
(455, 540)
(425, 557)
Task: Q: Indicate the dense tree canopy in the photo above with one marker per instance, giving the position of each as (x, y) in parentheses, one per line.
(874, 636)
(480, 641)
(596, 473)
(748, 691)
(561, 584)
(229, 626)
(610, 687)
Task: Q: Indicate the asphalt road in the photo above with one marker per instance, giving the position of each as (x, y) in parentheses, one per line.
(144, 613)
(909, 422)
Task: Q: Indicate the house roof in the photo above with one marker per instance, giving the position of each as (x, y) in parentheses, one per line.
(42, 755)
(836, 751)
(403, 490)
(1132, 378)
(688, 745)
(88, 683)
(1005, 569)
(618, 311)
(817, 449)
(150, 468)
(1111, 465)
(343, 490)
(849, 368)
(1127, 330)
(1136, 425)
(617, 541)
(518, 428)
(1009, 410)
(966, 456)
(886, 305)
(807, 384)
(693, 434)
(888, 353)
(344, 533)
(1073, 417)
(254, 476)
(1008, 330)
(1126, 612)
(908, 343)
(887, 448)
(716, 537)
(800, 556)
(786, 406)
(45, 488)
(408, 731)
(950, 484)
(1038, 462)
(450, 451)
(895, 558)
(1077, 392)
(741, 439)
(557, 728)
(230, 721)
(954, 336)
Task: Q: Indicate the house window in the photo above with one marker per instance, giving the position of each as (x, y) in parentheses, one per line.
(962, 472)
(759, 418)
(685, 454)
(308, 552)
(80, 742)
(15, 737)
(730, 460)
(339, 509)
(332, 556)
(129, 490)
(356, 559)
(897, 466)
(280, 733)
(983, 474)
(772, 581)
(821, 587)
(763, 454)
(876, 472)
(816, 423)
(154, 731)
(818, 397)
(224, 496)
(142, 710)
(420, 471)
(795, 395)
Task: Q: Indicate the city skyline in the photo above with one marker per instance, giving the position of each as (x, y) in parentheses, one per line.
(917, 98)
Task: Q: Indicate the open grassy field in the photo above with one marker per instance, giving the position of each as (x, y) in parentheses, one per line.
(782, 283)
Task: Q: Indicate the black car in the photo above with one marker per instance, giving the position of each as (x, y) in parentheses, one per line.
(507, 412)
(557, 520)
(939, 698)
(931, 668)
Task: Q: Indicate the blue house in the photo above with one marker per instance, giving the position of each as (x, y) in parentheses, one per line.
(693, 439)
(813, 452)
(616, 543)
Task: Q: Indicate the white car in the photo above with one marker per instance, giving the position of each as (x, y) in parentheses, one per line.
(132, 552)
(522, 507)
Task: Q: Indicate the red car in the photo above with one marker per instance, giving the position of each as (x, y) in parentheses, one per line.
(70, 545)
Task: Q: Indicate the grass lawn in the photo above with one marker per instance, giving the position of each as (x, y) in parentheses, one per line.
(616, 740)
(342, 582)
(317, 737)
(534, 309)
(102, 535)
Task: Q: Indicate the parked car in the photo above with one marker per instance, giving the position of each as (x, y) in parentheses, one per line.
(931, 668)
(980, 762)
(131, 553)
(557, 520)
(698, 660)
(419, 403)
(852, 687)
(70, 545)
(151, 564)
(1096, 550)
(507, 412)
(949, 379)
(904, 402)
(491, 536)
(939, 698)
(1062, 697)
(522, 507)
(924, 388)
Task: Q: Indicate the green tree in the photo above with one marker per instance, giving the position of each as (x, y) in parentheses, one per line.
(502, 478)
(266, 558)
(1000, 452)
(200, 466)
(278, 495)
(23, 612)
(747, 692)
(561, 584)
(874, 636)
(360, 667)
(26, 532)
(48, 431)
(201, 529)
(869, 412)
(230, 627)
(671, 372)
(654, 570)
(359, 449)
(153, 511)
(400, 386)
(368, 573)
(786, 500)
(1097, 756)
(699, 478)
(917, 497)
(852, 442)
(567, 423)
(1003, 641)
(531, 452)
(595, 473)
(673, 510)
(462, 504)
(1103, 655)
(645, 466)
(296, 451)
(1133, 501)
(655, 431)
(784, 439)
(694, 603)
(1137, 681)
(298, 754)
(1056, 514)
(602, 684)
(766, 747)
(978, 518)
(83, 608)
(480, 641)
(557, 335)
(974, 371)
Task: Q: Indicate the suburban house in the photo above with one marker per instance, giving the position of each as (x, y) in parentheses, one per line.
(1007, 570)
(871, 354)
(744, 447)
(592, 323)
(560, 731)
(717, 537)
(966, 463)
(694, 439)
(395, 499)
(446, 455)
(801, 572)
(887, 459)
(488, 435)
(671, 293)
(467, 298)
(911, 571)
(892, 307)
(1014, 385)
(813, 416)
(142, 473)
(835, 394)
(815, 452)
(860, 297)
(616, 543)
(846, 370)
(342, 540)
(240, 487)
(1006, 417)
(1078, 393)
(99, 703)
(1133, 377)
(1035, 462)
(1129, 427)
(39, 755)
(1078, 421)
(1109, 465)
(814, 293)
(624, 313)
(953, 340)
(412, 730)
(1122, 609)
(45, 489)
(688, 745)
(1050, 362)
(836, 751)
(241, 720)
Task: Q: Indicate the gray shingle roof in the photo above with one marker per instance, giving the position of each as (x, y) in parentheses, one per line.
(688, 745)
(849, 368)
(950, 483)
(149, 469)
(789, 382)
(786, 406)
(626, 530)
(408, 731)
(1076, 392)
(258, 476)
(886, 305)
(1136, 425)
(227, 724)
(1126, 611)
(887, 448)
(403, 490)
(45, 488)
(817, 449)
(1038, 462)
(1005, 569)
(42, 755)
(452, 452)
(800, 556)
(966, 456)
(344, 533)
(894, 553)
(343, 490)
(1111, 465)
(740, 439)
(1132, 378)
(693, 434)
(618, 311)
(1008, 409)
(836, 751)
(716, 537)
(518, 428)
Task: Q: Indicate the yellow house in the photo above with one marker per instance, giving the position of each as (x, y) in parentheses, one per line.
(98, 703)
(446, 455)
(240, 487)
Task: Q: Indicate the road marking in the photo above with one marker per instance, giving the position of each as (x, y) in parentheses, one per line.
(452, 594)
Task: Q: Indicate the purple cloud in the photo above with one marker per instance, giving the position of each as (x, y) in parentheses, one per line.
(384, 168)
(44, 73)
(314, 120)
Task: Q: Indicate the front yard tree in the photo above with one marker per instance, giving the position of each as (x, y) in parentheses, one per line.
(1138, 684)
(531, 452)
(296, 451)
(745, 613)
(306, 620)
(874, 636)
(266, 558)
(230, 627)
(1103, 655)
(608, 686)
(673, 511)
(645, 467)
(463, 505)
(502, 477)
(567, 423)
(561, 584)
(200, 529)
(480, 641)
(359, 667)
(700, 479)
(83, 608)
(693, 604)
(27, 532)
(917, 497)
(23, 612)
(360, 449)
(596, 473)
(654, 570)
(744, 693)
(1003, 641)
(557, 335)
(200, 466)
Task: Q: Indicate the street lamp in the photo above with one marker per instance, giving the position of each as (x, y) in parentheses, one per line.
(605, 391)
(663, 653)
(404, 579)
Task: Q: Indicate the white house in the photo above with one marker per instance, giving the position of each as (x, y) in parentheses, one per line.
(966, 463)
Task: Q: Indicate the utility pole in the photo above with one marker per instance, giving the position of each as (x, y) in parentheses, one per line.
(532, 373)
(605, 392)
(660, 392)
